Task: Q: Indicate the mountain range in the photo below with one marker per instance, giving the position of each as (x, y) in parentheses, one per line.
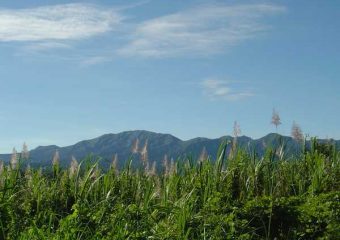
(106, 146)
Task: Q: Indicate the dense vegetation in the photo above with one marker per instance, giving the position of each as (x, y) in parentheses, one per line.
(236, 196)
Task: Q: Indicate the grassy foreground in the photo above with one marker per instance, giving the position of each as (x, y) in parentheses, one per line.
(237, 196)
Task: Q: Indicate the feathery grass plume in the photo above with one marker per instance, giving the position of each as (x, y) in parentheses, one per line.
(55, 163)
(297, 132)
(114, 164)
(73, 167)
(158, 187)
(96, 173)
(25, 153)
(144, 155)
(236, 129)
(236, 133)
(166, 165)
(276, 120)
(28, 173)
(204, 155)
(135, 146)
(1, 167)
(153, 169)
(173, 169)
(14, 159)
(56, 159)
(147, 167)
(280, 152)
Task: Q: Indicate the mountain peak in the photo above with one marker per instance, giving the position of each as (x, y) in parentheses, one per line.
(159, 144)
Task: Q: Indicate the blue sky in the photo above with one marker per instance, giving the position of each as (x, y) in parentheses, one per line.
(73, 70)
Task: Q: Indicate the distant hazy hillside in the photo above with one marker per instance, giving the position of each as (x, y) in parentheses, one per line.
(158, 145)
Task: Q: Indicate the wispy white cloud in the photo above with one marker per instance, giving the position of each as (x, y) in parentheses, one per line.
(217, 89)
(45, 46)
(199, 31)
(89, 61)
(204, 30)
(59, 22)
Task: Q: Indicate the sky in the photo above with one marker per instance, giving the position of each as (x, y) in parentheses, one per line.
(74, 70)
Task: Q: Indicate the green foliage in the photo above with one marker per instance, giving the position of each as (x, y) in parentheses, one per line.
(238, 196)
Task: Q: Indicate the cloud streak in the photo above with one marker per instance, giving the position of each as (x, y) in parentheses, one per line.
(221, 90)
(45, 46)
(94, 60)
(59, 22)
(203, 30)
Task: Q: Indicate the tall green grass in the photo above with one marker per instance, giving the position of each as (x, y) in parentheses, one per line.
(236, 196)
